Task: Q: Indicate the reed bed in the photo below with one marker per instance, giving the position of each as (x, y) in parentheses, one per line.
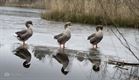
(110, 12)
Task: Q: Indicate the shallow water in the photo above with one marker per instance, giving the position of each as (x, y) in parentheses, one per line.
(44, 58)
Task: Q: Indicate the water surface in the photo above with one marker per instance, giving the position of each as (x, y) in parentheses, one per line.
(46, 61)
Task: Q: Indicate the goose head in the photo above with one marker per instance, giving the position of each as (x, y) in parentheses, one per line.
(26, 64)
(99, 27)
(96, 68)
(67, 25)
(64, 71)
(28, 24)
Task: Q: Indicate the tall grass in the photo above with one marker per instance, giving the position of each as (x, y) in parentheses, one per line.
(120, 12)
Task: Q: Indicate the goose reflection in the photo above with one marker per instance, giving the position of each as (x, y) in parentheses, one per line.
(23, 53)
(63, 59)
(94, 58)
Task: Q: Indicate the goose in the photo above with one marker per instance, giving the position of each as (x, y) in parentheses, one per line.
(23, 53)
(96, 37)
(63, 59)
(24, 35)
(63, 37)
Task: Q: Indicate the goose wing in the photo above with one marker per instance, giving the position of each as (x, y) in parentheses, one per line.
(96, 39)
(19, 33)
(92, 35)
(93, 40)
(62, 38)
(57, 36)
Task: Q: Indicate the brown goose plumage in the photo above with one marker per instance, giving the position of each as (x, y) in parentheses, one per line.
(25, 34)
(63, 37)
(96, 37)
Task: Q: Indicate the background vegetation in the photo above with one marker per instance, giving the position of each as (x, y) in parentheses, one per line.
(110, 12)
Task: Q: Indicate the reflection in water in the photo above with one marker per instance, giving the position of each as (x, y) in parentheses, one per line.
(20, 12)
(63, 59)
(63, 56)
(95, 59)
(58, 54)
(106, 72)
(137, 39)
(136, 35)
(40, 52)
(23, 53)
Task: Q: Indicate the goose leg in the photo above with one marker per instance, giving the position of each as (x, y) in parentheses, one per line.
(93, 46)
(23, 43)
(63, 45)
(60, 45)
(96, 46)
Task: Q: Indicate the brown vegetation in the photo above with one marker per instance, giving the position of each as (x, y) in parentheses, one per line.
(121, 12)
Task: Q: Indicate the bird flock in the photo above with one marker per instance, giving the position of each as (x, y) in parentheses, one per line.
(63, 37)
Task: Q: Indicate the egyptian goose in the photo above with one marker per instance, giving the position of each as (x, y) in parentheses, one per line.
(63, 37)
(96, 37)
(25, 34)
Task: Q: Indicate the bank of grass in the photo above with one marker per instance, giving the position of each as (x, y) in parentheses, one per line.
(119, 12)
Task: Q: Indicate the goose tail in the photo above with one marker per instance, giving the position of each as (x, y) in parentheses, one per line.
(15, 35)
(55, 37)
(88, 38)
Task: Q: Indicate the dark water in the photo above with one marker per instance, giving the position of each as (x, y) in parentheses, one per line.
(43, 60)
